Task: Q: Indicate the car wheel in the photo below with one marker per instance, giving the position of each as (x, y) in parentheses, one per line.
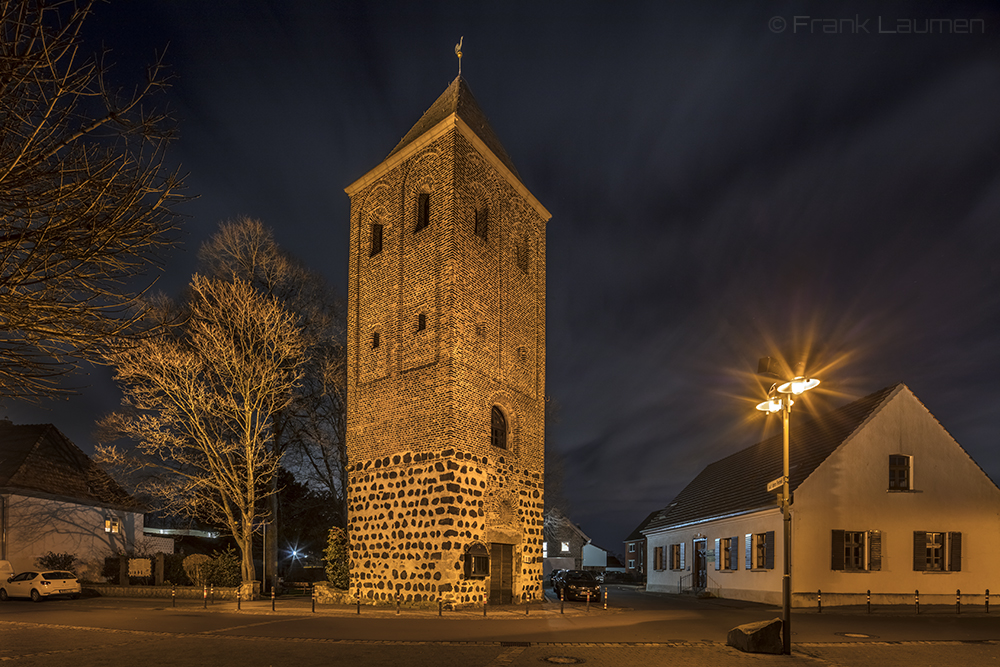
(35, 595)
(3, 594)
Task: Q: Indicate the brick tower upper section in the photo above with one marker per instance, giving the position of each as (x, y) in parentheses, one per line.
(446, 358)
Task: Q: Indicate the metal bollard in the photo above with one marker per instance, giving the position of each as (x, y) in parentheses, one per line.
(588, 601)
(440, 606)
(916, 598)
(313, 598)
(819, 600)
(987, 600)
(484, 606)
(204, 596)
(359, 602)
(562, 600)
(173, 596)
(397, 604)
(239, 594)
(272, 598)
(605, 598)
(958, 600)
(869, 600)
(212, 593)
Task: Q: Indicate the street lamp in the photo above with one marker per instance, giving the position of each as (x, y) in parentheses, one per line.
(780, 399)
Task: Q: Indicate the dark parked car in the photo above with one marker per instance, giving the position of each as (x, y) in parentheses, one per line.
(577, 584)
(554, 577)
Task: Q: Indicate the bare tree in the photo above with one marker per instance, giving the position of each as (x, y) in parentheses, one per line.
(310, 432)
(199, 404)
(86, 200)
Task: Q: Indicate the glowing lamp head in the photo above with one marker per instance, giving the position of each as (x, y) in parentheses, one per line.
(771, 405)
(798, 386)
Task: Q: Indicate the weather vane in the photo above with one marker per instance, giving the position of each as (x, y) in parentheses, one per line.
(458, 52)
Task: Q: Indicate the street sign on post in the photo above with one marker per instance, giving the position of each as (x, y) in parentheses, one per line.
(774, 485)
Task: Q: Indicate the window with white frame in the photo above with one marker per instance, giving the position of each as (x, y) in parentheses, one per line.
(631, 547)
(760, 551)
(856, 550)
(937, 551)
(726, 551)
(564, 547)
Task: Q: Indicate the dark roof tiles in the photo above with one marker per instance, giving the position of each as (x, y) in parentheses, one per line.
(738, 483)
(458, 99)
(38, 460)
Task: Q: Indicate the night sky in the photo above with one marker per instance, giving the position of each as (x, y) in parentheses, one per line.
(721, 190)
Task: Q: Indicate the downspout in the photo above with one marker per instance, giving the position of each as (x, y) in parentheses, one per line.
(3, 527)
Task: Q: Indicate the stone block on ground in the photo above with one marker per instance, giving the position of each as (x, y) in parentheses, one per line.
(759, 637)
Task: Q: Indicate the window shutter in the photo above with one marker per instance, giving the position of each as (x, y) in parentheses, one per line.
(734, 553)
(919, 551)
(718, 554)
(874, 550)
(682, 556)
(769, 549)
(749, 550)
(837, 550)
(955, 552)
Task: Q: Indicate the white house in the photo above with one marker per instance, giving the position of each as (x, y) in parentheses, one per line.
(883, 499)
(54, 498)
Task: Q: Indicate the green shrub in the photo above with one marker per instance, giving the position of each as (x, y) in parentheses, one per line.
(336, 557)
(54, 561)
(173, 570)
(223, 569)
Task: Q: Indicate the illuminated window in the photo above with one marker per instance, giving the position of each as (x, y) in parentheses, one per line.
(423, 211)
(545, 549)
(112, 525)
(498, 429)
(899, 473)
(565, 547)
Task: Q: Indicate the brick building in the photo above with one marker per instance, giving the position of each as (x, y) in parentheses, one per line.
(446, 367)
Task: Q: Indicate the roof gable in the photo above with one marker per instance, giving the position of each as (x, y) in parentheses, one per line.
(38, 460)
(637, 533)
(738, 483)
(458, 99)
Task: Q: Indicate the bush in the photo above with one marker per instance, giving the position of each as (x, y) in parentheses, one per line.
(173, 570)
(223, 569)
(194, 566)
(54, 561)
(336, 557)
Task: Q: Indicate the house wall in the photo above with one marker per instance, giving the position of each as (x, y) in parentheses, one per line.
(557, 532)
(35, 526)
(635, 557)
(594, 557)
(849, 491)
(760, 585)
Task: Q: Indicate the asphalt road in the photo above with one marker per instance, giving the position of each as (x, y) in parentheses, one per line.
(638, 628)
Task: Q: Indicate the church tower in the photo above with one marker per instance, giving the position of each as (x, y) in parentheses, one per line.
(446, 368)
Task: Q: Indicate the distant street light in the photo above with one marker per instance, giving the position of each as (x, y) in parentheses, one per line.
(780, 399)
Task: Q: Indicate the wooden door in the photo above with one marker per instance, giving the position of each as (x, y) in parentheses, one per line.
(501, 573)
(700, 564)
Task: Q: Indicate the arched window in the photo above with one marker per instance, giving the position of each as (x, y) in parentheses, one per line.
(498, 428)
(477, 561)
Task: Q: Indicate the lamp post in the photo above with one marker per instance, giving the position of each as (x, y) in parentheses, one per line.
(780, 399)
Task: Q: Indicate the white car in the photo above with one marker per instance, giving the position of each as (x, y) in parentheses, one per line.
(39, 585)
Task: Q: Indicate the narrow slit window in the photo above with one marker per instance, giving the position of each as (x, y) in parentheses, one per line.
(421, 322)
(522, 254)
(376, 240)
(498, 428)
(423, 211)
(375, 340)
(482, 222)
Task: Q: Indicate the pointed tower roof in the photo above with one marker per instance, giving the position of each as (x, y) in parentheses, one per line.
(458, 99)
